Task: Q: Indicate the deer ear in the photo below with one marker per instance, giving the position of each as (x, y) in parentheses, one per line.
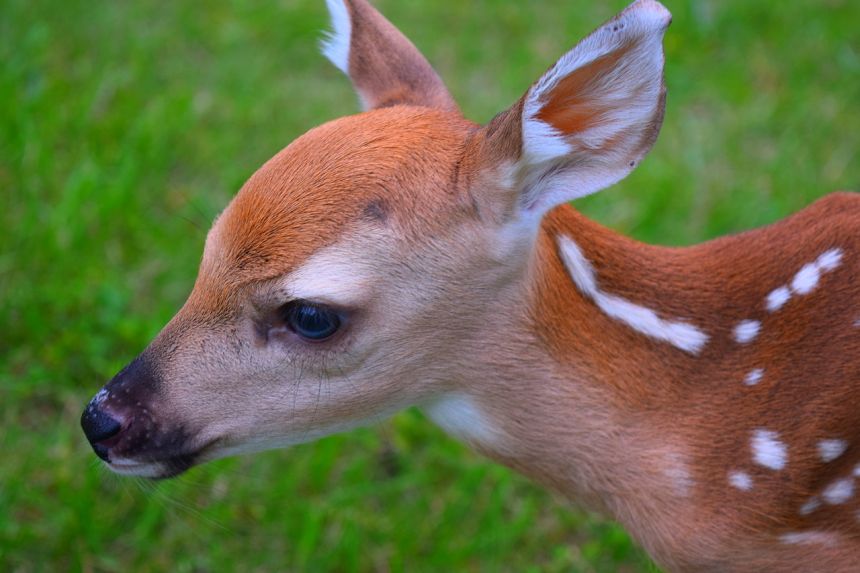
(590, 119)
(385, 67)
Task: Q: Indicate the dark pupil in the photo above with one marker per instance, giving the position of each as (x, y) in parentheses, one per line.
(312, 322)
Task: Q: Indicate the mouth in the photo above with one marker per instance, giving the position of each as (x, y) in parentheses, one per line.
(152, 470)
(161, 468)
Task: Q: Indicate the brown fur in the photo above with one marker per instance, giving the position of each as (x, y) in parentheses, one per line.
(417, 215)
(700, 401)
(386, 68)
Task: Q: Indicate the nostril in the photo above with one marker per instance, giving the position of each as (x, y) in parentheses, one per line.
(99, 426)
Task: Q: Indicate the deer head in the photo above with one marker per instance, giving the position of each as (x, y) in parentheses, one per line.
(384, 259)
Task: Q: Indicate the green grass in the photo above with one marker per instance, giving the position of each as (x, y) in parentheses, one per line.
(126, 126)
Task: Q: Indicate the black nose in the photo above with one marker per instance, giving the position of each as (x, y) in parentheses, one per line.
(99, 426)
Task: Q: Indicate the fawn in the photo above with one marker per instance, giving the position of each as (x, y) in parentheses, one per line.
(701, 396)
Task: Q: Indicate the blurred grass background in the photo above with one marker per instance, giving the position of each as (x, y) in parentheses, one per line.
(126, 126)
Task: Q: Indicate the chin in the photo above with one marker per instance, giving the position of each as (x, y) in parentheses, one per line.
(156, 470)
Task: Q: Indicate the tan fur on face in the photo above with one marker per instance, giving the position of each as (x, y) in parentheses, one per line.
(376, 206)
(400, 159)
(427, 234)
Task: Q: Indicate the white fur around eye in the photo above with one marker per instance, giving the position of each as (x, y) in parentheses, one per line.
(332, 275)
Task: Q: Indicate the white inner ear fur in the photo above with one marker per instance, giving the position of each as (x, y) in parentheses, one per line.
(335, 46)
(621, 102)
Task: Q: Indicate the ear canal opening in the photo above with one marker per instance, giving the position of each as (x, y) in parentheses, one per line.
(589, 119)
(567, 107)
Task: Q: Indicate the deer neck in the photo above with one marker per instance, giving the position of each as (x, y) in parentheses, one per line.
(565, 391)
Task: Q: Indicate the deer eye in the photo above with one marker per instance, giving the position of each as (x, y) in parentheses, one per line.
(311, 321)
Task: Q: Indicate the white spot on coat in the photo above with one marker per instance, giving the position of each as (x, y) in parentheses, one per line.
(741, 480)
(747, 330)
(806, 537)
(767, 450)
(777, 298)
(829, 260)
(753, 377)
(839, 491)
(806, 279)
(680, 334)
(829, 450)
(811, 505)
(808, 276)
(677, 471)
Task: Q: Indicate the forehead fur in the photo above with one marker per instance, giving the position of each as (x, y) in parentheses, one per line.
(382, 162)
